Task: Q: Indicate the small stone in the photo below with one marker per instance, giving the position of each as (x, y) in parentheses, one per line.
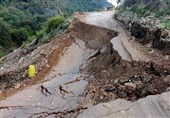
(167, 79)
(122, 81)
(168, 89)
(122, 94)
(134, 98)
(17, 86)
(131, 85)
(47, 65)
(166, 57)
(110, 88)
(151, 52)
(21, 59)
(116, 81)
(147, 80)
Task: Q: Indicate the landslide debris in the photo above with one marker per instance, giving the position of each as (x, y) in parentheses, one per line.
(113, 77)
(130, 81)
(146, 30)
(116, 78)
(44, 57)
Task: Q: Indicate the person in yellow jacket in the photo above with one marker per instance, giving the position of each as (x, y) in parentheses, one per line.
(31, 71)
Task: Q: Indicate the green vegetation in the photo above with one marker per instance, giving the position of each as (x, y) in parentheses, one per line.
(21, 21)
(166, 24)
(1, 63)
(51, 28)
(145, 8)
(54, 23)
(140, 10)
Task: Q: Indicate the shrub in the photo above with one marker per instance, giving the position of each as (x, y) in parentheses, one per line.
(1, 54)
(40, 33)
(19, 35)
(54, 23)
(166, 24)
(5, 40)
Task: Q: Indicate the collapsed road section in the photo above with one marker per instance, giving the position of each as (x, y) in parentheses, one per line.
(86, 69)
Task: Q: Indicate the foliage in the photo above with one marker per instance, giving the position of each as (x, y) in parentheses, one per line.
(54, 23)
(140, 10)
(144, 7)
(1, 63)
(166, 24)
(21, 21)
(19, 36)
(53, 27)
(4, 34)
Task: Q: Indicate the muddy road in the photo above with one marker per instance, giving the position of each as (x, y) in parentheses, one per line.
(99, 59)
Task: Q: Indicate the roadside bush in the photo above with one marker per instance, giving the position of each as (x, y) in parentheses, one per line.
(54, 23)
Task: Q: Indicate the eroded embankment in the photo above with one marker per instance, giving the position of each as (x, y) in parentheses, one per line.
(13, 74)
(145, 33)
(60, 93)
(109, 77)
(116, 78)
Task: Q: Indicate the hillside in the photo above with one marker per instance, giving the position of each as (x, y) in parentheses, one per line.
(21, 19)
(145, 7)
(94, 65)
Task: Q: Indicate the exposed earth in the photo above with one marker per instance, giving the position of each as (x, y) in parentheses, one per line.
(93, 69)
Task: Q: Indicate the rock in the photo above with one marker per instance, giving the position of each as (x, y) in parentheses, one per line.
(147, 80)
(21, 59)
(164, 34)
(122, 81)
(122, 94)
(151, 52)
(168, 89)
(167, 79)
(166, 57)
(47, 65)
(131, 85)
(17, 86)
(133, 99)
(110, 88)
(148, 90)
(116, 81)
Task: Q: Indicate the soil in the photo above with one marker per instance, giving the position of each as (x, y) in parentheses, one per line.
(72, 73)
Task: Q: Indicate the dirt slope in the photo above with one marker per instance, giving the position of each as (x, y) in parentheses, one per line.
(81, 68)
